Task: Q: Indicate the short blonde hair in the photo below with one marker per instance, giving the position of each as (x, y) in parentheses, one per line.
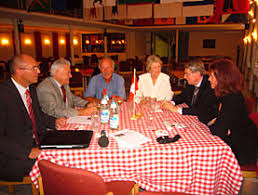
(152, 59)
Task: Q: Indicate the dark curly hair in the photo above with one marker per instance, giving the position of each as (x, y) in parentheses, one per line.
(228, 76)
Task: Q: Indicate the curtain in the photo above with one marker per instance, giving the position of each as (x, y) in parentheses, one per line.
(38, 45)
(55, 45)
(68, 45)
(183, 46)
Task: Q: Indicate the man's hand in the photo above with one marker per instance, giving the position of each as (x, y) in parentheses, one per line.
(169, 106)
(87, 111)
(90, 104)
(61, 122)
(34, 153)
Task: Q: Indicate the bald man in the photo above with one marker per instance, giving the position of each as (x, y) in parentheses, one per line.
(107, 79)
(21, 119)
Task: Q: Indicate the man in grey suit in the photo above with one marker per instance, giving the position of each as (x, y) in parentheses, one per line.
(55, 96)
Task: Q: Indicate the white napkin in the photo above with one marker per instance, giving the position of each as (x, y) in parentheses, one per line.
(128, 139)
(83, 120)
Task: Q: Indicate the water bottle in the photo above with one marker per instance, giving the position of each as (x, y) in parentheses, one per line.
(114, 115)
(104, 109)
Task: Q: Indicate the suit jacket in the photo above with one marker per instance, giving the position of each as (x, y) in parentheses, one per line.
(161, 90)
(16, 131)
(206, 104)
(51, 99)
(233, 116)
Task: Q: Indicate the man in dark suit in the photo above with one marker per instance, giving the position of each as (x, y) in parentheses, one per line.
(21, 119)
(198, 95)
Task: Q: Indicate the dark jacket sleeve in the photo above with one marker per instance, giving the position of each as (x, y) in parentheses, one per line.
(206, 105)
(206, 108)
(43, 120)
(183, 96)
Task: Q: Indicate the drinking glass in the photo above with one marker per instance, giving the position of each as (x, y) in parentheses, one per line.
(166, 116)
(150, 122)
(153, 105)
(95, 122)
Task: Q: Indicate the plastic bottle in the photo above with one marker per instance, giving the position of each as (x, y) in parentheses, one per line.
(114, 115)
(104, 108)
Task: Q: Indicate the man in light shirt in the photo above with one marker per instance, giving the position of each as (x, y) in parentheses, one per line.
(198, 95)
(107, 79)
(21, 120)
(55, 96)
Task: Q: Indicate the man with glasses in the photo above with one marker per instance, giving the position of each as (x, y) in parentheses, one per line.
(21, 119)
(55, 96)
(198, 95)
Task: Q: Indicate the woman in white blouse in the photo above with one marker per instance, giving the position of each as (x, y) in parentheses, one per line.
(154, 83)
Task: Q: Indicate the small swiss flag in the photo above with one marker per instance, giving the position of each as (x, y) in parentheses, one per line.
(133, 88)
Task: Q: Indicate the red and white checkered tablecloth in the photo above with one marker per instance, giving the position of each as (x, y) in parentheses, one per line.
(198, 163)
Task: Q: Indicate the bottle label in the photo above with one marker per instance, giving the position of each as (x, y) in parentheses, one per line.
(114, 121)
(104, 116)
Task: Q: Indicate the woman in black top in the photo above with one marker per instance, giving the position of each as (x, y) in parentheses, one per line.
(232, 123)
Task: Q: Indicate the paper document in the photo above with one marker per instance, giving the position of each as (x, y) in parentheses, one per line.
(84, 120)
(128, 139)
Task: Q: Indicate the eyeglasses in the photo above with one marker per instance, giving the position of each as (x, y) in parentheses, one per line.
(34, 68)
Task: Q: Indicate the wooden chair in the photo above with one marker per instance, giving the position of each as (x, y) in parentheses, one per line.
(124, 68)
(56, 179)
(250, 104)
(26, 180)
(251, 171)
(77, 83)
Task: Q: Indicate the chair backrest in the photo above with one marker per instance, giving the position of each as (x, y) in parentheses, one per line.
(76, 80)
(64, 180)
(250, 104)
(124, 66)
(254, 117)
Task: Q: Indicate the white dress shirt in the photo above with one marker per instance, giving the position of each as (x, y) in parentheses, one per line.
(161, 90)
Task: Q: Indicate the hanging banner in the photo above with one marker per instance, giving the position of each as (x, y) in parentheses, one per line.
(93, 13)
(37, 5)
(232, 6)
(164, 21)
(139, 11)
(98, 3)
(135, 1)
(170, 10)
(118, 13)
(201, 10)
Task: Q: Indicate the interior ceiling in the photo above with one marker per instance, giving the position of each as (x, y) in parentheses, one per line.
(47, 20)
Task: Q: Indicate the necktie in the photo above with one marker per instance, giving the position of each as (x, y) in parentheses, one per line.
(64, 94)
(194, 98)
(32, 116)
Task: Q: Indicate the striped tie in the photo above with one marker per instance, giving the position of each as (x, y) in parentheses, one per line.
(194, 98)
(32, 116)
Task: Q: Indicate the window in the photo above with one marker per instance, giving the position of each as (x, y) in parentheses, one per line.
(209, 43)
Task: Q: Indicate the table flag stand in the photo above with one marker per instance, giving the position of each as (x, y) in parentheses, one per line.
(134, 116)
